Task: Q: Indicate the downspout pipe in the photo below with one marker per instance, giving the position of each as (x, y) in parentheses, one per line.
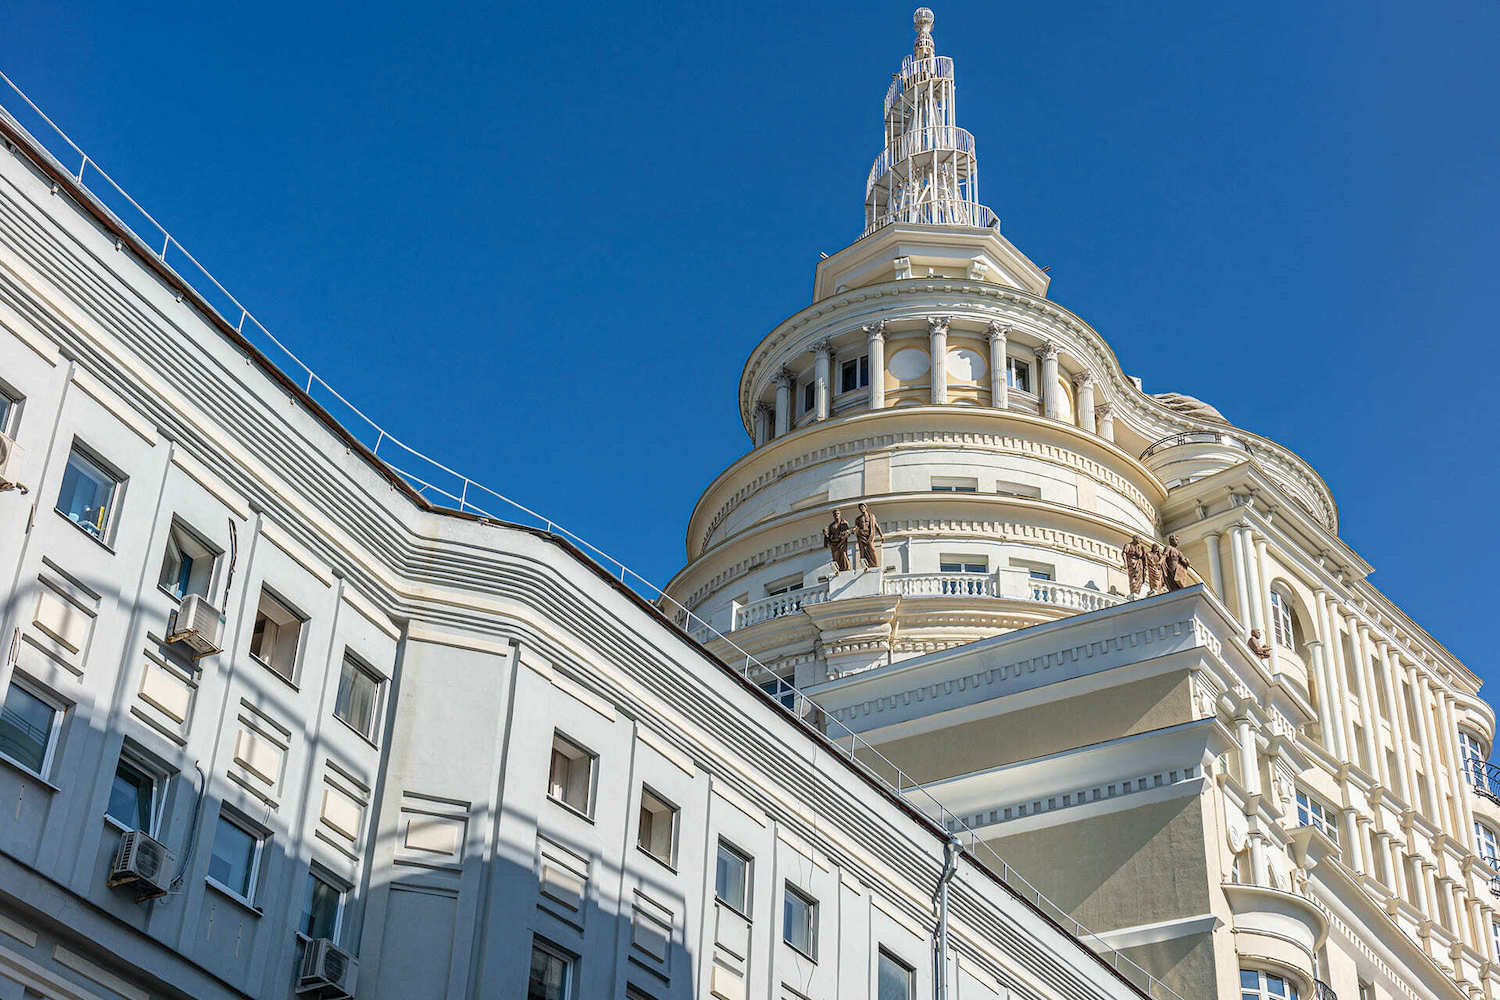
(951, 851)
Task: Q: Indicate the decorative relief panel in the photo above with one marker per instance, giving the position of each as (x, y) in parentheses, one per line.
(164, 701)
(650, 932)
(431, 832)
(260, 751)
(341, 811)
(62, 619)
(562, 881)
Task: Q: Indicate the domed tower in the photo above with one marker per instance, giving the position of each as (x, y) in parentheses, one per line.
(991, 432)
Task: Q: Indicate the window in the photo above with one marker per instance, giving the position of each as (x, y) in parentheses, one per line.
(1018, 490)
(1485, 843)
(1495, 935)
(277, 632)
(732, 879)
(854, 373)
(570, 780)
(10, 406)
(551, 973)
(954, 484)
(963, 564)
(134, 798)
(235, 862)
(799, 922)
(88, 493)
(974, 567)
(893, 978)
(1366, 991)
(773, 590)
(1475, 755)
(358, 700)
(1312, 812)
(1037, 573)
(1255, 985)
(322, 908)
(29, 725)
(780, 690)
(1283, 622)
(809, 396)
(187, 566)
(656, 833)
(1018, 374)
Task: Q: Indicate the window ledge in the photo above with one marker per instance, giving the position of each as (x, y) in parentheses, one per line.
(732, 908)
(28, 772)
(233, 896)
(799, 951)
(275, 673)
(80, 528)
(356, 732)
(572, 809)
(661, 861)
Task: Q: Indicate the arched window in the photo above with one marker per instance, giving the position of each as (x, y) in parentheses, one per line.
(1258, 985)
(1283, 620)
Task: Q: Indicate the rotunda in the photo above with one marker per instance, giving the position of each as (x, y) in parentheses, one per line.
(1004, 453)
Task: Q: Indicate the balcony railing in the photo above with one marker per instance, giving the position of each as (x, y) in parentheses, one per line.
(1324, 991)
(914, 70)
(781, 604)
(1194, 437)
(943, 585)
(1484, 776)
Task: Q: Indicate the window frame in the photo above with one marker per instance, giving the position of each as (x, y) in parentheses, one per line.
(377, 704)
(953, 484)
(106, 529)
(1314, 812)
(567, 958)
(748, 862)
(159, 778)
(10, 410)
(267, 593)
(258, 840)
(882, 954)
(1262, 989)
(809, 396)
(673, 814)
(59, 717)
(1283, 619)
(976, 565)
(174, 528)
(1485, 836)
(861, 379)
(789, 892)
(780, 690)
(591, 784)
(317, 873)
(1018, 373)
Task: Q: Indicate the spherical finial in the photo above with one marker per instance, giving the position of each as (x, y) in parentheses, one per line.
(922, 21)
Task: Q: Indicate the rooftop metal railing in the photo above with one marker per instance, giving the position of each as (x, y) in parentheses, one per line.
(432, 479)
(1193, 437)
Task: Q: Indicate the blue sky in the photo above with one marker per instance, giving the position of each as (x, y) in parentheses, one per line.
(475, 222)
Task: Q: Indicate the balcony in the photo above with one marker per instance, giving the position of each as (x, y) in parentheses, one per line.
(1323, 991)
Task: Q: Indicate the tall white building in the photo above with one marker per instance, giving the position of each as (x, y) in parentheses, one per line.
(281, 714)
(1317, 821)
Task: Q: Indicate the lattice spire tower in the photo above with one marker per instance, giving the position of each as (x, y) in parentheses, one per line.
(928, 172)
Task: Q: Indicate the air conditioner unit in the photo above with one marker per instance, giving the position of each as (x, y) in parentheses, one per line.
(197, 625)
(327, 971)
(10, 464)
(142, 862)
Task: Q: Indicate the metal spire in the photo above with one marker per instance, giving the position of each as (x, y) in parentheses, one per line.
(928, 173)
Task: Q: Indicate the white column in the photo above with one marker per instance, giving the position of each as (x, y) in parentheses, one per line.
(875, 342)
(1400, 734)
(1107, 428)
(1333, 619)
(937, 347)
(1215, 563)
(762, 424)
(1424, 738)
(1367, 672)
(783, 402)
(1083, 384)
(1241, 573)
(1260, 872)
(1051, 404)
(1354, 841)
(1389, 852)
(999, 384)
(1263, 587)
(1256, 581)
(1456, 770)
(1249, 763)
(1338, 700)
(1327, 720)
(1367, 714)
(822, 377)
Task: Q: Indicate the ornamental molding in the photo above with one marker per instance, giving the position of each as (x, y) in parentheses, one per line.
(1072, 796)
(1002, 444)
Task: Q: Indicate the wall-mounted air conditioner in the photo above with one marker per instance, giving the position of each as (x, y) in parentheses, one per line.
(143, 863)
(10, 464)
(197, 625)
(328, 971)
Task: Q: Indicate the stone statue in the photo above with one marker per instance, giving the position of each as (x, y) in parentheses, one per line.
(1155, 568)
(836, 538)
(1258, 647)
(1135, 565)
(1176, 564)
(866, 530)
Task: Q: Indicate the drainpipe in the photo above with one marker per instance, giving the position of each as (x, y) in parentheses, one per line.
(951, 851)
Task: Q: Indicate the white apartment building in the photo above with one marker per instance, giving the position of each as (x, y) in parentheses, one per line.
(281, 717)
(1321, 821)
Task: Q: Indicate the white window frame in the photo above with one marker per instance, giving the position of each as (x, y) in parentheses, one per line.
(657, 805)
(963, 564)
(10, 410)
(789, 891)
(568, 959)
(1314, 812)
(780, 689)
(314, 871)
(1021, 491)
(1262, 990)
(1283, 620)
(1487, 843)
(743, 907)
(159, 777)
(112, 504)
(359, 666)
(180, 528)
(590, 781)
(268, 594)
(953, 484)
(861, 365)
(54, 730)
(1014, 367)
(226, 815)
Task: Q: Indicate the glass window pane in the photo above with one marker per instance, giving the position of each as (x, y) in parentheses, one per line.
(87, 494)
(233, 858)
(549, 976)
(320, 909)
(1275, 986)
(730, 882)
(797, 921)
(893, 978)
(355, 702)
(130, 797)
(1249, 979)
(26, 728)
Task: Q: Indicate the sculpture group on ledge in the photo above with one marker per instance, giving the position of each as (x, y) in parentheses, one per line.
(1154, 570)
(866, 531)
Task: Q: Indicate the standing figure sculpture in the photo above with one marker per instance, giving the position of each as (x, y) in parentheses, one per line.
(1156, 569)
(866, 530)
(1176, 564)
(836, 538)
(1135, 565)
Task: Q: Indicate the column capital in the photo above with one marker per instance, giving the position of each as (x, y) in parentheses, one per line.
(762, 407)
(998, 330)
(874, 331)
(1102, 410)
(1083, 380)
(822, 346)
(1047, 350)
(784, 378)
(937, 324)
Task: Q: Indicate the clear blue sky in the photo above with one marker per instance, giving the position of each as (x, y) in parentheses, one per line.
(476, 222)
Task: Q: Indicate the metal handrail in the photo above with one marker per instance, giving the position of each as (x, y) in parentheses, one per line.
(425, 479)
(940, 67)
(1194, 437)
(942, 213)
(932, 138)
(1324, 991)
